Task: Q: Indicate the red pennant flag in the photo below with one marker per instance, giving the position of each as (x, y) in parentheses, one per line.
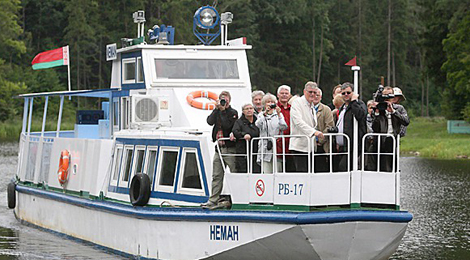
(351, 62)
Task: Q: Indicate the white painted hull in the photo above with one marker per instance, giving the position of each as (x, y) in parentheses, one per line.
(173, 239)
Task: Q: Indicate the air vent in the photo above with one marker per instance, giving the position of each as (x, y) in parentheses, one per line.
(146, 110)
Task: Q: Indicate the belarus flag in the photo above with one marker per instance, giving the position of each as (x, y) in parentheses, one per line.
(53, 58)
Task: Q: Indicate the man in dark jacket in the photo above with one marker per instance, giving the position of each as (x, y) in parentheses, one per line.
(244, 130)
(353, 108)
(222, 118)
(390, 121)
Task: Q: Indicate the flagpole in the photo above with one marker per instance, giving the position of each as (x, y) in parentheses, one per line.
(68, 66)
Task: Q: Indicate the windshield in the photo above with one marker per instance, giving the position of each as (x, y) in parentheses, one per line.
(196, 69)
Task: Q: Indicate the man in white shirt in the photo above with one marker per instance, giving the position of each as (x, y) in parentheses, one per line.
(303, 121)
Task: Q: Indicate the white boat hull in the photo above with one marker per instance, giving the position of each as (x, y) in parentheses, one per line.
(135, 232)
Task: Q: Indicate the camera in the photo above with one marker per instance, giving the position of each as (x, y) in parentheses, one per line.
(381, 98)
(223, 102)
(272, 106)
(333, 130)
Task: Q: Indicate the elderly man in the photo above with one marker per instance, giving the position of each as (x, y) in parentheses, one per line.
(325, 123)
(223, 118)
(353, 108)
(256, 98)
(303, 121)
(283, 95)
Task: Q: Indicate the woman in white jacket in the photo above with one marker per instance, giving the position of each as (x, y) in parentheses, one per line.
(270, 123)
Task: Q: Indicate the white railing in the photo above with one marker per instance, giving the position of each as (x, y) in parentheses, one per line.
(250, 153)
(373, 145)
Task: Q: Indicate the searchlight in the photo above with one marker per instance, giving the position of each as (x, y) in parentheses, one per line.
(206, 18)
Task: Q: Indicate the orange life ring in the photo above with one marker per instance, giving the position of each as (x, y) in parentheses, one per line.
(191, 98)
(63, 172)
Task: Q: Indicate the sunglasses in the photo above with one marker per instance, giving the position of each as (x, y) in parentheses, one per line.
(346, 93)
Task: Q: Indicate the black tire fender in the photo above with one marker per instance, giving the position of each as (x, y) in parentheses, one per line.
(139, 191)
(11, 195)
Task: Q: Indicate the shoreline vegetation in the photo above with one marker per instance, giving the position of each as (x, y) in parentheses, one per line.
(425, 137)
(428, 137)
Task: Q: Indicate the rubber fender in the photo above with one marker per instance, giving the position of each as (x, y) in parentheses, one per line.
(11, 195)
(139, 192)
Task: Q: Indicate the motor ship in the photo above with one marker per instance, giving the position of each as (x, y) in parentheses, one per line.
(132, 175)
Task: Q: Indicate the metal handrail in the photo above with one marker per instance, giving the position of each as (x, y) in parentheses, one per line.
(379, 153)
(231, 154)
(274, 153)
(331, 153)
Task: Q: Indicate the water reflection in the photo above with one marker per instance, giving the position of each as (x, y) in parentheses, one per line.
(436, 192)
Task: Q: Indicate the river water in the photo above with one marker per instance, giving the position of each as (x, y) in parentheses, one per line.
(436, 192)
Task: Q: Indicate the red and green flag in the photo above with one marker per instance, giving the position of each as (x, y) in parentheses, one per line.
(52, 58)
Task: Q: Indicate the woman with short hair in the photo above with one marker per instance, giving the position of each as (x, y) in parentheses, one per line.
(244, 130)
(270, 123)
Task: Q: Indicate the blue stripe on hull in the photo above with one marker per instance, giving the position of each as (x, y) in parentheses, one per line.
(196, 214)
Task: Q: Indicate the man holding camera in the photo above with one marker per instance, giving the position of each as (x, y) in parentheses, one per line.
(388, 118)
(303, 121)
(223, 118)
(353, 108)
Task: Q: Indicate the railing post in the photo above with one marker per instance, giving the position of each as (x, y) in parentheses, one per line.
(30, 114)
(44, 116)
(59, 117)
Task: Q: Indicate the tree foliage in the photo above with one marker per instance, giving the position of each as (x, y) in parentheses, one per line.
(293, 42)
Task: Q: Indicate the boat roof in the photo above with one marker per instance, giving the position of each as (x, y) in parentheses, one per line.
(184, 47)
(98, 93)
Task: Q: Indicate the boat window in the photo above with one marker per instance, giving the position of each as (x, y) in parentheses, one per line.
(191, 172)
(127, 164)
(117, 162)
(139, 161)
(196, 69)
(140, 71)
(129, 71)
(168, 168)
(116, 113)
(151, 160)
(125, 103)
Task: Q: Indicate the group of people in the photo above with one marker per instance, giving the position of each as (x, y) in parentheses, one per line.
(300, 119)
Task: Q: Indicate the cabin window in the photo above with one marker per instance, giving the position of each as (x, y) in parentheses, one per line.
(196, 69)
(139, 160)
(129, 71)
(191, 171)
(140, 71)
(116, 114)
(150, 161)
(117, 163)
(125, 112)
(168, 167)
(129, 151)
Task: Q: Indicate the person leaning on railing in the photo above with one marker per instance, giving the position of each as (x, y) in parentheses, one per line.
(270, 123)
(222, 118)
(244, 130)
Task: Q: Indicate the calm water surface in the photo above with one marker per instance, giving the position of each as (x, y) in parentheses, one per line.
(436, 192)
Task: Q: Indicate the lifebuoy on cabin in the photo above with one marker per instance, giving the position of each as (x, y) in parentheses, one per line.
(139, 191)
(63, 172)
(191, 98)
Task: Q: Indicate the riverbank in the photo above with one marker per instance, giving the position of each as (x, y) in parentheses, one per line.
(10, 130)
(428, 137)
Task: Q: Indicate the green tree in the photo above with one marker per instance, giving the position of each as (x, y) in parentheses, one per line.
(11, 48)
